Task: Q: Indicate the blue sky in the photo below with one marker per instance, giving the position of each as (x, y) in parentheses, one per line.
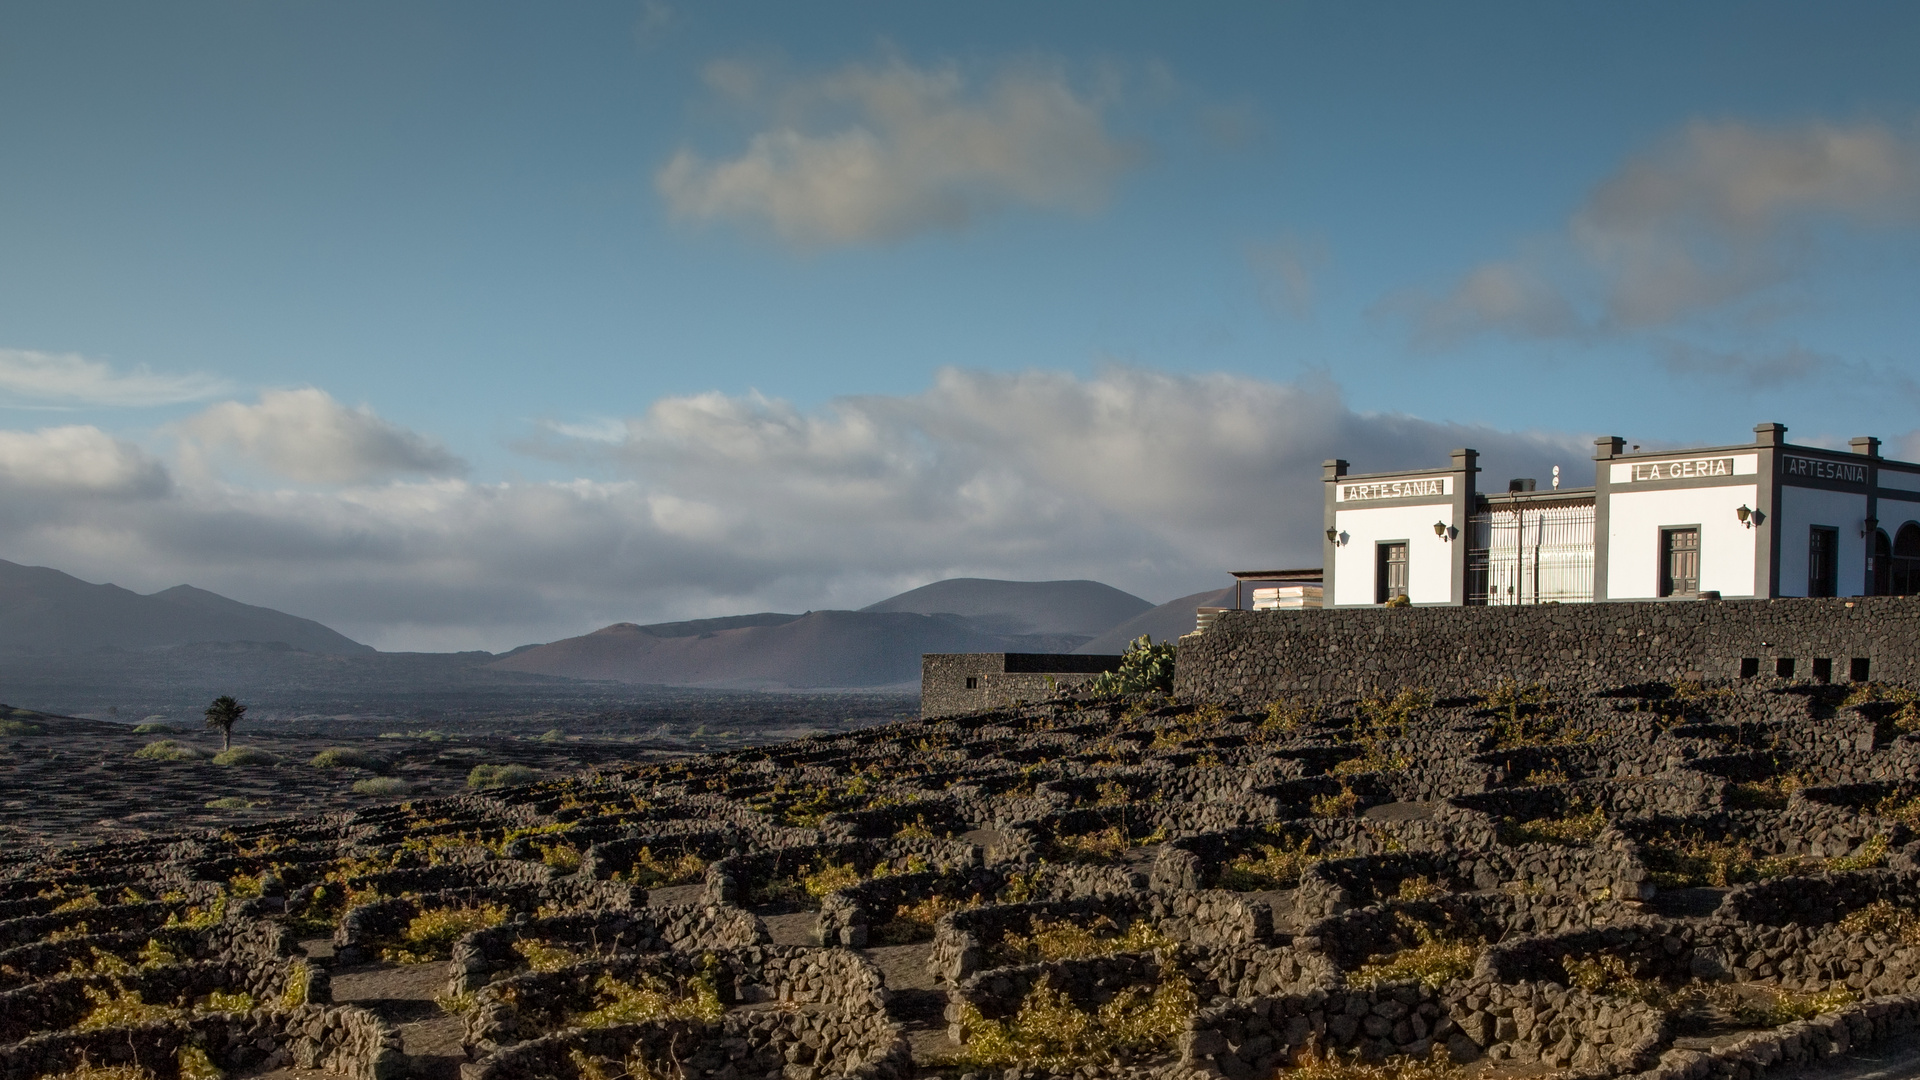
(462, 325)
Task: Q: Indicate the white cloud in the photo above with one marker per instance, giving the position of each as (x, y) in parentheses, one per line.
(77, 460)
(307, 436)
(70, 377)
(1712, 216)
(1154, 482)
(599, 429)
(914, 149)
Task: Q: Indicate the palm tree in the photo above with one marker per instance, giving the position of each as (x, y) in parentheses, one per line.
(223, 714)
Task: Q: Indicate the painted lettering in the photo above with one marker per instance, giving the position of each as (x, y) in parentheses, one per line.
(1683, 469)
(1845, 472)
(1393, 489)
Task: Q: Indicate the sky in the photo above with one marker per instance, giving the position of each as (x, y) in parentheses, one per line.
(463, 325)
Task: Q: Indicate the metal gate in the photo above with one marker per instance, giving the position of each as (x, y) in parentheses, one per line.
(1530, 555)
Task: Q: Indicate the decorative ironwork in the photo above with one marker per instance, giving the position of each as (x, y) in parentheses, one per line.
(1530, 555)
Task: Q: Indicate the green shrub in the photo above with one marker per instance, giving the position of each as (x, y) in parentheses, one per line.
(1608, 974)
(546, 956)
(245, 755)
(20, 727)
(1906, 810)
(1867, 856)
(1882, 917)
(1572, 828)
(651, 870)
(1315, 1064)
(1108, 845)
(431, 934)
(830, 877)
(1788, 1006)
(154, 728)
(493, 776)
(1061, 939)
(168, 750)
(385, 787)
(1145, 669)
(1271, 866)
(650, 997)
(1285, 718)
(914, 922)
(123, 1008)
(1691, 859)
(230, 802)
(1344, 803)
(344, 757)
(1051, 1032)
(1435, 961)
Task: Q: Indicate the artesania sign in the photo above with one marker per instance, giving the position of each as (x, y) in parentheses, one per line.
(1396, 489)
(1683, 469)
(1800, 468)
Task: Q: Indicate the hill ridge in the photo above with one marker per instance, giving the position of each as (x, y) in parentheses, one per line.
(44, 610)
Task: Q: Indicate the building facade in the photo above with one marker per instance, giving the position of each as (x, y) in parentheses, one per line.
(957, 684)
(1757, 520)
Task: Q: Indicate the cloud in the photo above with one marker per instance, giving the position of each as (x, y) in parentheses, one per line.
(1286, 269)
(1777, 367)
(656, 21)
(1512, 296)
(1155, 482)
(1133, 475)
(1713, 215)
(307, 436)
(880, 152)
(70, 377)
(77, 460)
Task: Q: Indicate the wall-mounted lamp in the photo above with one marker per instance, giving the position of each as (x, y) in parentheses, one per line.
(1444, 531)
(1868, 526)
(1333, 535)
(1748, 516)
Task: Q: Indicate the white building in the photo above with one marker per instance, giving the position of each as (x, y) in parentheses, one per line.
(1762, 519)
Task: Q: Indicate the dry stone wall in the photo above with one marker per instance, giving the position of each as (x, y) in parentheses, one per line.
(1448, 873)
(1260, 656)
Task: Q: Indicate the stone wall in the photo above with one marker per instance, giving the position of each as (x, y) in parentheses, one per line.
(365, 928)
(825, 1011)
(344, 1041)
(957, 684)
(1253, 657)
(478, 956)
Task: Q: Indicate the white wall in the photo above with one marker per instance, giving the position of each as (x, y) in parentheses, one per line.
(1727, 548)
(1429, 558)
(1893, 514)
(1799, 510)
(1905, 481)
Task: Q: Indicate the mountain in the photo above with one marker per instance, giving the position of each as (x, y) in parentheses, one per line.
(818, 649)
(1164, 623)
(1058, 608)
(875, 646)
(45, 611)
